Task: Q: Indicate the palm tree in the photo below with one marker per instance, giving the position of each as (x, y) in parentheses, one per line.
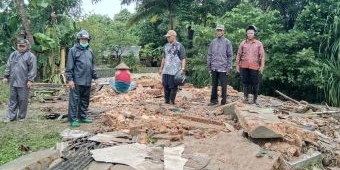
(147, 8)
(332, 51)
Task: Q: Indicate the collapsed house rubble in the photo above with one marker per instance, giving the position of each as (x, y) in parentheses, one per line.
(136, 130)
(292, 128)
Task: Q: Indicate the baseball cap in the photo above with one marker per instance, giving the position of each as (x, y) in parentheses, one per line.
(171, 33)
(220, 27)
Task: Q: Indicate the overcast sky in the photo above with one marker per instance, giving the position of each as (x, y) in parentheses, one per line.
(105, 7)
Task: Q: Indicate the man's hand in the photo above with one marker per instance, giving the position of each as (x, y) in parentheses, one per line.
(238, 68)
(71, 84)
(182, 71)
(261, 70)
(160, 71)
(5, 80)
(29, 84)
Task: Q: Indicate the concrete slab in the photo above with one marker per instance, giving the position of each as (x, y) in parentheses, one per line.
(33, 161)
(231, 151)
(69, 134)
(111, 137)
(305, 160)
(173, 158)
(259, 123)
(263, 123)
(133, 155)
(99, 166)
(196, 161)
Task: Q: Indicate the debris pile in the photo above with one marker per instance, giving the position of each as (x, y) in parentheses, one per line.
(292, 128)
(281, 133)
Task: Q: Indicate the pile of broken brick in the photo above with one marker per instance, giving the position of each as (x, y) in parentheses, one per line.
(292, 129)
(137, 130)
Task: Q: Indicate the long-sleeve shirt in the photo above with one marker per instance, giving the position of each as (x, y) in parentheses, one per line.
(250, 55)
(21, 68)
(173, 56)
(80, 66)
(220, 55)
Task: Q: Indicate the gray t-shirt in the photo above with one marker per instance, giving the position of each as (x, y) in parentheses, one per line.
(173, 54)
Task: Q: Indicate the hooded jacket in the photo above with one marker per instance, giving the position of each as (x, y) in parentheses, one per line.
(21, 68)
(80, 66)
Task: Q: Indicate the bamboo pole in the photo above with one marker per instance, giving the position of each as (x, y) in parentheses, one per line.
(62, 64)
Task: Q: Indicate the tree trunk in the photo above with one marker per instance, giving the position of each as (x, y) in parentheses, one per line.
(24, 20)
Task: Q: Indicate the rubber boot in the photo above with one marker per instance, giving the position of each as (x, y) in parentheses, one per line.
(167, 96)
(173, 96)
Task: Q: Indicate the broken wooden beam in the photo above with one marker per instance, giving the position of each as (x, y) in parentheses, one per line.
(286, 97)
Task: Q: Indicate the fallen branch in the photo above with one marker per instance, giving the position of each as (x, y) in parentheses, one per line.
(286, 97)
(314, 108)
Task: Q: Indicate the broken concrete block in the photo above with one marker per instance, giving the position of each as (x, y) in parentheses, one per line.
(69, 134)
(229, 109)
(133, 155)
(36, 160)
(173, 158)
(238, 153)
(305, 160)
(55, 162)
(112, 137)
(260, 125)
(162, 143)
(196, 161)
(60, 147)
(229, 127)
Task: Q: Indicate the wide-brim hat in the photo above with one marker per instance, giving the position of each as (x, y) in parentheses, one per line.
(121, 66)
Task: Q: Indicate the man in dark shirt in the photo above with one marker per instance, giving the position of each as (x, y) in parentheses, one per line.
(80, 70)
(219, 59)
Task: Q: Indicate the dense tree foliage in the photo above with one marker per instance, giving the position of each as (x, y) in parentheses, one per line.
(301, 38)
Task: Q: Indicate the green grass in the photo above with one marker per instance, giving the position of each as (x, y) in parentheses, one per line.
(4, 92)
(35, 132)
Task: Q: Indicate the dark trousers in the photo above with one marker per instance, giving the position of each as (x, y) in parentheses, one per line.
(18, 103)
(79, 99)
(223, 79)
(170, 89)
(250, 81)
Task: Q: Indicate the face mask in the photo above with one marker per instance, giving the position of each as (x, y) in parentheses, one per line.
(84, 45)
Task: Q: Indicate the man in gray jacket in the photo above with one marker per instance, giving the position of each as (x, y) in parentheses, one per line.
(21, 69)
(220, 54)
(80, 70)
